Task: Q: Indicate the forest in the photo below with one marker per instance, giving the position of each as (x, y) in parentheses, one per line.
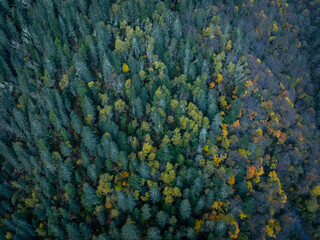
(159, 120)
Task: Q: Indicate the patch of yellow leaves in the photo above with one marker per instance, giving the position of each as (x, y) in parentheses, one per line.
(198, 225)
(125, 68)
(211, 85)
(231, 180)
(219, 78)
(90, 84)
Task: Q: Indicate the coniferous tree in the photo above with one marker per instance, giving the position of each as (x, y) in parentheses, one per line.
(129, 231)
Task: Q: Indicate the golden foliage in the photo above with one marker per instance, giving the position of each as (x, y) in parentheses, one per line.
(90, 84)
(174, 103)
(120, 105)
(272, 228)
(64, 81)
(211, 85)
(206, 148)
(242, 215)
(316, 190)
(8, 235)
(229, 45)
(108, 205)
(219, 78)
(146, 148)
(274, 27)
(236, 232)
(259, 132)
(176, 139)
(198, 225)
(231, 180)
(299, 45)
(236, 124)
(251, 171)
(216, 205)
(171, 193)
(206, 32)
(169, 174)
(244, 152)
(125, 68)
(216, 160)
(125, 174)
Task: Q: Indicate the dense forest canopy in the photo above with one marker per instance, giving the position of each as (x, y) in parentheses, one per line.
(145, 119)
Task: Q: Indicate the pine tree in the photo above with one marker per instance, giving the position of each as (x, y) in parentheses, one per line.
(213, 106)
(103, 236)
(88, 109)
(123, 160)
(146, 212)
(221, 227)
(73, 231)
(216, 124)
(76, 122)
(122, 201)
(185, 209)
(144, 170)
(130, 232)
(162, 219)
(85, 230)
(177, 29)
(154, 233)
(114, 152)
(131, 203)
(106, 68)
(82, 69)
(135, 46)
(157, 34)
(135, 181)
(90, 196)
(202, 102)
(92, 173)
(65, 173)
(20, 120)
(89, 139)
(191, 234)
(203, 136)
(155, 194)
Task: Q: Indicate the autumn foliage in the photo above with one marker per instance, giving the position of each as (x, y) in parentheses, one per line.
(136, 119)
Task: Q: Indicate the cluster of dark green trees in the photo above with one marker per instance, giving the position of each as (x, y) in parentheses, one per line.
(145, 119)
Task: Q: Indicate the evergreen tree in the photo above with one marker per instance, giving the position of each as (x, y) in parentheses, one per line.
(154, 233)
(185, 209)
(129, 231)
(162, 218)
(89, 139)
(90, 196)
(155, 195)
